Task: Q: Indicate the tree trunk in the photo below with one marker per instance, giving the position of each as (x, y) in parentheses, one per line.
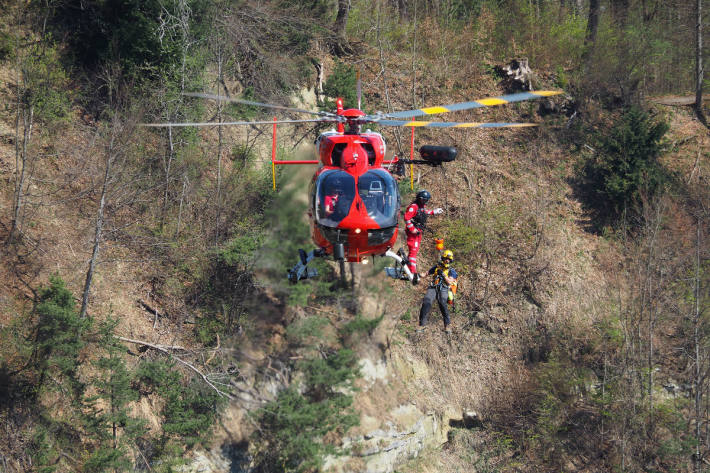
(699, 62)
(592, 23)
(590, 37)
(182, 200)
(620, 10)
(220, 145)
(98, 233)
(167, 164)
(21, 163)
(24, 115)
(697, 375)
(342, 19)
(403, 10)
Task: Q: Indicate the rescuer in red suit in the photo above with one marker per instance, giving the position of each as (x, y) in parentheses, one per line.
(415, 221)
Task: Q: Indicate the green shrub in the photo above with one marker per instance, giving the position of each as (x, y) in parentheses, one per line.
(323, 375)
(131, 33)
(465, 240)
(7, 50)
(229, 281)
(561, 79)
(107, 414)
(342, 82)
(292, 428)
(243, 111)
(362, 325)
(45, 83)
(626, 168)
(189, 410)
(43, 450)
(59, 335)
(307, 329)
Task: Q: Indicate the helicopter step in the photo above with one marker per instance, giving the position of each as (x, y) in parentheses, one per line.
(300, 270)
(400, 269)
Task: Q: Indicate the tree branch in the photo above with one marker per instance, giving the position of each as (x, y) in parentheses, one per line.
(166, 349)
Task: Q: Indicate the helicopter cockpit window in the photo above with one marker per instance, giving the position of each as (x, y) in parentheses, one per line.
(378, 190)
(335, 192)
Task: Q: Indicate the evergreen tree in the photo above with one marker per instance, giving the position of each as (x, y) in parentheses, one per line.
(292, 427)
(626, 168)
(189, 409)
(58, 339)
(107, 417)
(341, 83)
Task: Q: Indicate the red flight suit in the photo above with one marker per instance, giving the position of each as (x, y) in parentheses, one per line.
(414, 235)
(330, 201)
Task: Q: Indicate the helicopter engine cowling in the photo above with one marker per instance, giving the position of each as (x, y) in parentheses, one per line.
(438, 154)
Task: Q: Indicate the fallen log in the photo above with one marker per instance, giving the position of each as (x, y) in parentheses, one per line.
(676, 100)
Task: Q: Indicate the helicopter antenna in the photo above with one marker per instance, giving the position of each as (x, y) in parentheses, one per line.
(359, 90)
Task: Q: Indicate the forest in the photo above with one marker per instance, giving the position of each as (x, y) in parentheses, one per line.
(146, 320)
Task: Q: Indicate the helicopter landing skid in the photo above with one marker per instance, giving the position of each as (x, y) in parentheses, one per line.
(301, 271)
(400, 269)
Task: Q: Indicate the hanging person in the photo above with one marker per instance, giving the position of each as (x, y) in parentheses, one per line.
(442, 288)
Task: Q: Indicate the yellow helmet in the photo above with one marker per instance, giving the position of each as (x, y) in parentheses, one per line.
(448, 254)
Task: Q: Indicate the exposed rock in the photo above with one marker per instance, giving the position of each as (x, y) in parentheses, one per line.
(229, 458)
(373, 371)
(382, 450)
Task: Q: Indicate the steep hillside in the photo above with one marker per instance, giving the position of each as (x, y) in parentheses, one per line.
(146, 323)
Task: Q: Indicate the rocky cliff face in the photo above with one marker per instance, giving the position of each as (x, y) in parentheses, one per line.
(388, 440)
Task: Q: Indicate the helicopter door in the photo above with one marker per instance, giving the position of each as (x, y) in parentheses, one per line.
(380, 194)
(335, 192)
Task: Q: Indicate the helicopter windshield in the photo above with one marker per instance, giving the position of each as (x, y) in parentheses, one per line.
(378, 190)
(335, 192)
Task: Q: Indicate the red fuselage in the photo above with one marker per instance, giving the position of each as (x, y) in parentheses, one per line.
(354, 201)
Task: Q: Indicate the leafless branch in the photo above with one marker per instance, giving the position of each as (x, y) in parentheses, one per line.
(167, 350)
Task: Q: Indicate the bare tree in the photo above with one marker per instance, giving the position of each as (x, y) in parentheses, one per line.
(175, 23)
(698, 357)
(115, 138)
(111, 153)
(699, 61)
(220, 58)
(24, 120)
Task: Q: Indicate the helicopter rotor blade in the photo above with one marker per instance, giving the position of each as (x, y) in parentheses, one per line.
(414, 123)
(487, 102)
(256, 104)
(263, 122)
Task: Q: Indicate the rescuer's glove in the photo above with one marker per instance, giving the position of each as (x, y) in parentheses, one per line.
(438, 211)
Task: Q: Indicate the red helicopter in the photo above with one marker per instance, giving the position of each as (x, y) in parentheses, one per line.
(354, 201)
